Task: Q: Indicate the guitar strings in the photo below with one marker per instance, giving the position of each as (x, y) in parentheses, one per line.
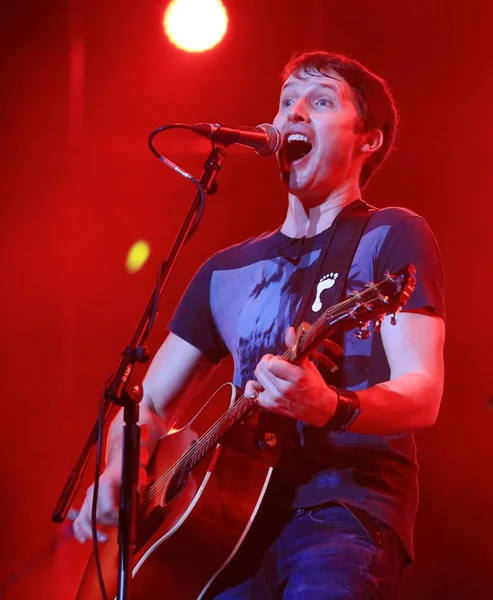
(243, 404)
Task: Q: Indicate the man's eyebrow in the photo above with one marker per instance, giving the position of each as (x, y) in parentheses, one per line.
(286, 85)
(324, 84)
(331, 86)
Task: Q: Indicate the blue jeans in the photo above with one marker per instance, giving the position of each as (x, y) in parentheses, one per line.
(326, 553)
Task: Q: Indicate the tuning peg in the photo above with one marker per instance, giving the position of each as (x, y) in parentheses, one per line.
(363, 333)
(393, 320)
(378, 324)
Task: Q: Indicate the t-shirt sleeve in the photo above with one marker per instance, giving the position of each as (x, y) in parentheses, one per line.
(193, 320)
(412, 241)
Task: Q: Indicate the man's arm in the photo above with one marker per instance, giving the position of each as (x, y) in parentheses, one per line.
(409, 400)
(176, 372)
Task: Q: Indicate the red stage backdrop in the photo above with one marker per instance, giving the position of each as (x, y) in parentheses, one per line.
(83, 83)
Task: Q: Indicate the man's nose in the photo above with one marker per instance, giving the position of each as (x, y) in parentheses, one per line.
(299, 111)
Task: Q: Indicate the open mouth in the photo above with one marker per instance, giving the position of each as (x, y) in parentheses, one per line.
(296, 147)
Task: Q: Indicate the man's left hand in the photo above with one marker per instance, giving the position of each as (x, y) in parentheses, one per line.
(296, 391)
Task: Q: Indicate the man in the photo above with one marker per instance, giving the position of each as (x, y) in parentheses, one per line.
(349, 530)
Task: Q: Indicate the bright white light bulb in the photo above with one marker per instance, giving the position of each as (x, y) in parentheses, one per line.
(195, 25)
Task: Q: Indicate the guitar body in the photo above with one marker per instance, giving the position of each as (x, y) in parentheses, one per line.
(193, 525)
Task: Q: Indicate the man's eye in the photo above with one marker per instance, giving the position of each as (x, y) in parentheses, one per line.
(286, 102)
(324, 102)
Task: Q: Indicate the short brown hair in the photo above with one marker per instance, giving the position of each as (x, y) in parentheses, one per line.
(375, 103)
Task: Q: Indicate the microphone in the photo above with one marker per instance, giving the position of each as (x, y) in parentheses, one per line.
(265, 139)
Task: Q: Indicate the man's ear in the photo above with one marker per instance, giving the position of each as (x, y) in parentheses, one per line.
(372, 141)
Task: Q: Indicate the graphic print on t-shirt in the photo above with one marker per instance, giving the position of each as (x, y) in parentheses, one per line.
(266, 294)
(325, 283)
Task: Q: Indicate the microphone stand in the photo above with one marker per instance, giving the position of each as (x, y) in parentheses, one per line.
(116, 392)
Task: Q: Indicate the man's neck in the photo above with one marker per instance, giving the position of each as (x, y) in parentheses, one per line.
(305, 221)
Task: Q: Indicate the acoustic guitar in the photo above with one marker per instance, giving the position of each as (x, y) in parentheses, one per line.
(207, 479)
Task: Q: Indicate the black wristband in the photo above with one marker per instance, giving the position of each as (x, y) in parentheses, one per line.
(347, 409)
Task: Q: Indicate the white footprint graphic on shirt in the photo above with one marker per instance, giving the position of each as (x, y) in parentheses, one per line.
(325, 283)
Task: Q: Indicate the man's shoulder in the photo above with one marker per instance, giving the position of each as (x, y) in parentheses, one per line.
(246, 252)
(392, 229)
(393, 221)
(393, 215)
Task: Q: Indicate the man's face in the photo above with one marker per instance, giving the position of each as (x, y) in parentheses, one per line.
(320, 110)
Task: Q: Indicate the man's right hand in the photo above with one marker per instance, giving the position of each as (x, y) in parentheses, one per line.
(177, 371)
(107, 508)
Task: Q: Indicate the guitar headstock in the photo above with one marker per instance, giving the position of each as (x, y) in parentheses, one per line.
(376, 300)
(372, 303)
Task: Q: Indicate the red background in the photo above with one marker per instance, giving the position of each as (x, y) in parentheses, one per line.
(83, 83)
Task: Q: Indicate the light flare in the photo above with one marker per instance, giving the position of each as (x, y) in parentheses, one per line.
(137, 256)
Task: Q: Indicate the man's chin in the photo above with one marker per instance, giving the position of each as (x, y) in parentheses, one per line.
(304, 191)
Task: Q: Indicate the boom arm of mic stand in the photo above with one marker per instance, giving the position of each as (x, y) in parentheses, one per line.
(115, 392)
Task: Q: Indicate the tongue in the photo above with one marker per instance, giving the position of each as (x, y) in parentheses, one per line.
(296, 150)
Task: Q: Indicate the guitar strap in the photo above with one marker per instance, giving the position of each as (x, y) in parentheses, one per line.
(337, 256)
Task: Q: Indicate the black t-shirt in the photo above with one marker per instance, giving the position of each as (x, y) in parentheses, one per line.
(242, 300)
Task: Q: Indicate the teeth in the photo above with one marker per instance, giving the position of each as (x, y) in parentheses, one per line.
(292, 137)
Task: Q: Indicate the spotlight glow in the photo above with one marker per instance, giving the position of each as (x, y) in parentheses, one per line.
(195, 25)
(137, 256)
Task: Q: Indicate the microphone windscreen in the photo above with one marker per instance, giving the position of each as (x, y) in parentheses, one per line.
(275, 139)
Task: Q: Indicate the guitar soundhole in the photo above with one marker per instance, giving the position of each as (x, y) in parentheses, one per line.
(179, 479)
(177, 482)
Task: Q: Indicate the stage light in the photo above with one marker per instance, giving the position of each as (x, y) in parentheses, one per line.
(195, 25)
(137, 256)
